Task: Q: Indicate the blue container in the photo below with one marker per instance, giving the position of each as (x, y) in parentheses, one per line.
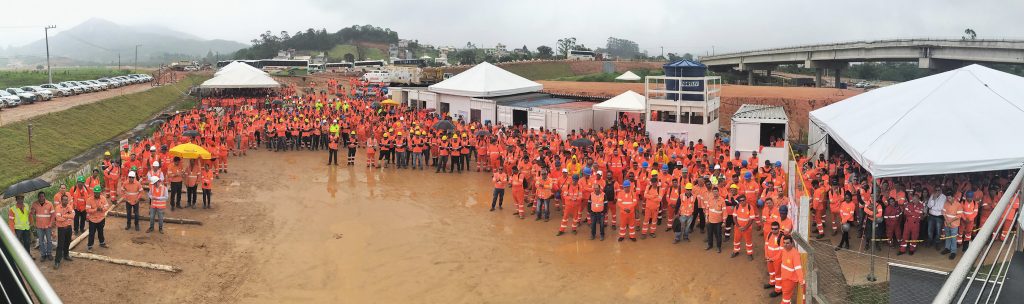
(685, 68)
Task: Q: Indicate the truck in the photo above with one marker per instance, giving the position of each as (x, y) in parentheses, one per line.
(415, 76)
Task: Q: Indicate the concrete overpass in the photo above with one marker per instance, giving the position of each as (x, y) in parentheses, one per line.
(938, 54)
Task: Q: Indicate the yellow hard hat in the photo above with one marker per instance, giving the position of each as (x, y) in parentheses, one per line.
(654, 172)
(391, 129)
(106, 153)
(385, 134)
(622, 143)
(689, 186)
(635, 145)
(733, 186)
(353, 133)
(444, 137)
(399, 133)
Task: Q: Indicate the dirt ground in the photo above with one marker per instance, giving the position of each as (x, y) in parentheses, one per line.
(798, 101)
(286, 228)
(58, 104)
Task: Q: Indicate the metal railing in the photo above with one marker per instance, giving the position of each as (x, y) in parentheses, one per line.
(956, 279)
(31, 284)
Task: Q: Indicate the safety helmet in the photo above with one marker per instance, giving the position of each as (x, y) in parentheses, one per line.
(81, 179)
(106, 153)
(131, 174)
(575, 177)
(444, 137)
(97, 189)
(733, 186)
(744, 163)
(747, 175)
(622, 143)
(778, 163)
(156, 164)
(644, 165)
(625, 183)
(654, 172)
(784, 209)
(153, 179)
(664, 167)
(760, 203)
(587, 171)
(689, 186)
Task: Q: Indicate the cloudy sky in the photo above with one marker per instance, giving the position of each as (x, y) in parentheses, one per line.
(694, 26)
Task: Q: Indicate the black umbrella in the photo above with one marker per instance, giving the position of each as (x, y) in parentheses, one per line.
(190, 133)
(482, 133)
(278, 102)
(375, 105)
(582, 142)
(25, 187)
(444, 125)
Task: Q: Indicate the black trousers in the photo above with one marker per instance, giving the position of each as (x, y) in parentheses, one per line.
(715, 235)
(25, 237)
(131, 213)
(175, 195)
(96, 230)
(351, 156)
(442, 161)
(79, 221)
(596, 219)
(332, 156)
(63, 242)
(191, 194)
(207, 198)
(698, 215)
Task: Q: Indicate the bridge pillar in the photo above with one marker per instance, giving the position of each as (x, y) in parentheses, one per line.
(838, 79)
(750, 77)
(817, 76)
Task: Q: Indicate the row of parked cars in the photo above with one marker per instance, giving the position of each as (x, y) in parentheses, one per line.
(12, 97)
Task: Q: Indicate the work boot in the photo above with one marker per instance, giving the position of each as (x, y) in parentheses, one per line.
(492, 209)
(719, 250)
(775, 294)
(129, 227)
(67, 258)
(103, 245)
(149, 230)
(944, 252)
(652, 235)
(602, 238)
(136, 228)
(768, 286)
(560, 233)
(750, 257)
(734, 254)
(89, 249)
(707, 248)
(686, 238)
(592, 237)
(632, 239)
(668, 229)
(675, 241)
(56, 265)
(161, 231)
(952, 256)
(621, 238)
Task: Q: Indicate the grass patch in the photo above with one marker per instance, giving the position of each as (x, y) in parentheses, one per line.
(370, 53)
(36, 77)
(62, 135)
(337, 53)
(610, 77)
(541, 71)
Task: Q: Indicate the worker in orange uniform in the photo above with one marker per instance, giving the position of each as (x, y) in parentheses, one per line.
(952, 214)
(970, 206)
(687, 203)
(111, 176)
(626, 201)
(846, 208)
(572, 194)
(96, 209)
(914, 212)
(353, 142)
(744, 217)
(498, 195)
(157, 202)
(672, 203)
(206, 179)
(545, 191)
(772, 253)
(597, 210)
(518, 182)
(42, 217)
(791, 271)
(191, 183)
(64, 218)
(716, 215)
(835, 200)
(892, 215)
(175, 175)
(332, 150)
(79, 193)
(653, 196)
(818, 204)
(131, 190)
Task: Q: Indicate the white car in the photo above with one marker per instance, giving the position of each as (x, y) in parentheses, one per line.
(110, 82)
(74, 87)
(102, 86)
(7, 100)
(26, 97)
(58, 90)
(88, 86)
(44, 94)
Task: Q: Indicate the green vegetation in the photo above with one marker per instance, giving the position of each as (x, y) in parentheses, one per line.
(60, 136)
(869, 294)
(337, 53)
(36, 77)
(267, 45)
(369, 53)
(609, 77)
(538, 71)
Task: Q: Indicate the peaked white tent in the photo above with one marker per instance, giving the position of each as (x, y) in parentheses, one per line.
(628, 101)
(239, 77)
(485, 80)
(628, 76)
(965, 120)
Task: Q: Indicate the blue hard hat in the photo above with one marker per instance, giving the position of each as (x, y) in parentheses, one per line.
(744, 163)
(725, 140)
(664, 167)
(970, 194)
(587, 171)
(644, 165)
(575, 177)
(760, 203)
(625, 183)
(640, 149)
(747, 175)
(784, 209)
(778, 163)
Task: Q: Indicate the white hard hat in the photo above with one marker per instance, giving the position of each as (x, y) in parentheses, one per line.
(153, 179)
(131, 174)
(565, 170)
(156, 164)
(152, 148)
(599, 172)
(717, 167)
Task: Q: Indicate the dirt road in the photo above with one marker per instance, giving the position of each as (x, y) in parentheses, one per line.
(287, 229)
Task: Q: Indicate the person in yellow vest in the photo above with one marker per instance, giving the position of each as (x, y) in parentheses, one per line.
(18, 220)
(157, 202)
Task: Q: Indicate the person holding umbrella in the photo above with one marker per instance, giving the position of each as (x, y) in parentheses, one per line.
(19, 221)
(42, 215)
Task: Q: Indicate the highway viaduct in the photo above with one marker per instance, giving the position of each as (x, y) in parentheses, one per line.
(936, 54)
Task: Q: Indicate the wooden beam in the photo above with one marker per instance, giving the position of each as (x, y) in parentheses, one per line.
(166, 219)
(96, 257)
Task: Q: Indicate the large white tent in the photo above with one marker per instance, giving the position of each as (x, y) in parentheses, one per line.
(628, 101)
(485, 80)
(238, 75)
(965, 120)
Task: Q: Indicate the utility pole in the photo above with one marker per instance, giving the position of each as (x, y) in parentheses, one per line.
(46, 33)
(136, 65)
(118, 62)
(662, 52)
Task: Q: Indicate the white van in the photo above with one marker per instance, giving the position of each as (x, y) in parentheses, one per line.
(377, 76)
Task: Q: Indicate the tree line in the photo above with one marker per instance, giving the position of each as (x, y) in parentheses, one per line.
(268, 44)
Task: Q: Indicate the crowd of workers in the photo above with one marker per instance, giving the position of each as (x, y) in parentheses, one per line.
(616, 177)
(949, 209)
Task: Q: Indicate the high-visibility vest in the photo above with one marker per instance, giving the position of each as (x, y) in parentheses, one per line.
(159, 203)
(597, 202)
(20, 218)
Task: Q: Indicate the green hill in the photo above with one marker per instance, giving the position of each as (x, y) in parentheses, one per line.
(337, 53)
(540, 71)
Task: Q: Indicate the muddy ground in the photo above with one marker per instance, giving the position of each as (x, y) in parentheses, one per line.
(287, 229)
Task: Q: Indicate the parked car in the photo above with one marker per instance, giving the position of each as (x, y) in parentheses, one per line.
(125, 80)
(102, 86)
(58, 90)
(43, 94)
(8, 100)
(25, 97)
(146, 77)
(74, 87)
(88, 86)
(109, 82)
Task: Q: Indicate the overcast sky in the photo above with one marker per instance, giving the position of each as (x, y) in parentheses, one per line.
(679, 26)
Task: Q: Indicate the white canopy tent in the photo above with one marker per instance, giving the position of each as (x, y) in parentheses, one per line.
(485, 80)
(965, 120)
(628, 76)
(240, 78)
(235, 66)
(628, 101)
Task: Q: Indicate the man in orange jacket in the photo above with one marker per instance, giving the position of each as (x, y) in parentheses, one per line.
(626, 201)
(572, 194)
(791, 271)
(96, 208)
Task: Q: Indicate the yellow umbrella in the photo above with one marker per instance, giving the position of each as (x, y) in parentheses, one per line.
(190, 151)
(389, 102)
